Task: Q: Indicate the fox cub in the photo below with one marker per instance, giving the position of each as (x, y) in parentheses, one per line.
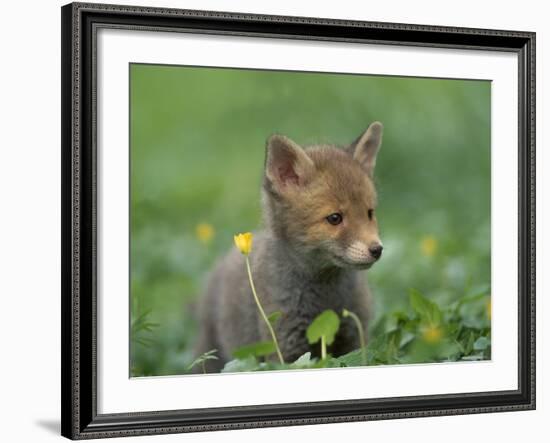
(320, 231)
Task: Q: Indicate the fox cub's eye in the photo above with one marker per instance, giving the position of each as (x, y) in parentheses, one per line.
(335, 219)
(370, 213)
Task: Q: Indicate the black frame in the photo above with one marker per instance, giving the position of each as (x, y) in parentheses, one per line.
(79, 418)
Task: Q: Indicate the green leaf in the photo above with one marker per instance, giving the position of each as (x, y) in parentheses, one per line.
(419, 303)
(473, 298)
(273, 366)
(303, 360)
(469, 342)
(353, 358)
(241, 365)
(426, 309)
(325, 324)
(141, 322)
(209, 355)
(259, 349)
(333, 363)
(400, 317)
(147, 342)
(273, 317)
(149, 326)
(481, 344)
(406, 338)
(139, 327)
(142, 317)
(477, 292)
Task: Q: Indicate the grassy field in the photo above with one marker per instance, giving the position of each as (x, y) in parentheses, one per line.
(197, 152)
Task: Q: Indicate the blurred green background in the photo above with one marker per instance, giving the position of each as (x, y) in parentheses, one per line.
(197, 153)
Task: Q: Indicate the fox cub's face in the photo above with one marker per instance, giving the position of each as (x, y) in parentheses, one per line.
(322, 199)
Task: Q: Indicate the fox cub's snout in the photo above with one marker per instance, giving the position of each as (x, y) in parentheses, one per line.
(323, 200)
(319, 207)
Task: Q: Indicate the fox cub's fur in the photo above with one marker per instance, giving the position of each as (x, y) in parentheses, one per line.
(320, 231)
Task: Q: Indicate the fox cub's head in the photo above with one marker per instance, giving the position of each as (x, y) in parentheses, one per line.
(322, 199)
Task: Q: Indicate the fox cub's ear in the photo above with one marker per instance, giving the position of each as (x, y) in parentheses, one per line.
(286, 163)
(365, 148)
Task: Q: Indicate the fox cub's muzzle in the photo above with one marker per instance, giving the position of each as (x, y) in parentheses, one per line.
(363, 255)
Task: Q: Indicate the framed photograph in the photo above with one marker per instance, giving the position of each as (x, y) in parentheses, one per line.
(273, 221)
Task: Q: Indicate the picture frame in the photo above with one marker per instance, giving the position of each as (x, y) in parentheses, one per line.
(81, 208)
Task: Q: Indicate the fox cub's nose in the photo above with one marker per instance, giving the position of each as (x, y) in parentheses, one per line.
(376, 251)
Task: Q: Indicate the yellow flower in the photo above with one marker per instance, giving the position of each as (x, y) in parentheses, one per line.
(428, 246)
(244, 242)
(488, 308)
(432, 334)
(204, 232)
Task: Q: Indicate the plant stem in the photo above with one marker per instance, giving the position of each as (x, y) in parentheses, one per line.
(323, 348)
(361, 336)
(272, 332)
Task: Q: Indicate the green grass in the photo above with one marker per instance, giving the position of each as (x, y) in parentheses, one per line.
(197, 153)
(426, 334)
